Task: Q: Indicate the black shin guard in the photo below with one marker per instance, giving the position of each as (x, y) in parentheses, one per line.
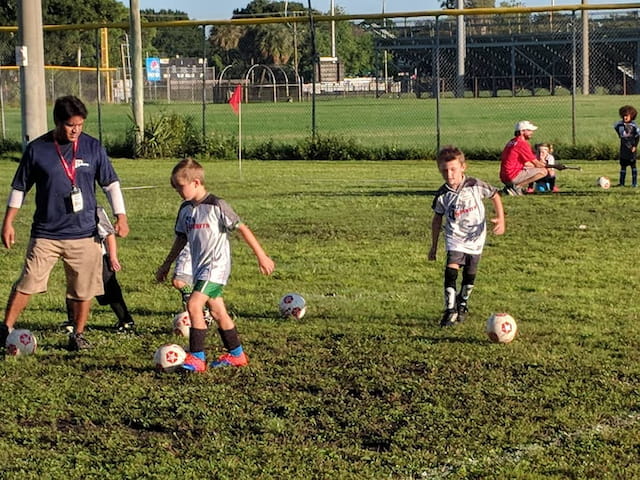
(450, 278)
(230, 338)
(196, 339)
(468, 280)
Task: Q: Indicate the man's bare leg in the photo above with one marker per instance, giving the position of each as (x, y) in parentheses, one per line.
(15, 305)
(80, 310)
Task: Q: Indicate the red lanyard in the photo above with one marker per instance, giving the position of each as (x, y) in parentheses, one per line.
(70, 170)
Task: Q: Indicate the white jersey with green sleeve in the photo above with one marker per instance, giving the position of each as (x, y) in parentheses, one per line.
(207, 226)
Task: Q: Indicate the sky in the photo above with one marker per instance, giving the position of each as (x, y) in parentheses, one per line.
(223, 9)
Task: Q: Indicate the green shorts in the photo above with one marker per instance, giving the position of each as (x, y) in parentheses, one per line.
(210, 289)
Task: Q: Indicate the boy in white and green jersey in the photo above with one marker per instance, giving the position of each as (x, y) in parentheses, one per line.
(205, 221)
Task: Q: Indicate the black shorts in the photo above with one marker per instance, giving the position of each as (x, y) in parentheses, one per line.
(112, 290)
(467, 260)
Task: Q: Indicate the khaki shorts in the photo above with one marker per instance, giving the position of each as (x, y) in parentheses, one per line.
(528, 173)
(82, 260)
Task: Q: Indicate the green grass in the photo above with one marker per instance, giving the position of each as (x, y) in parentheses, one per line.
(473, 124)
(366, 385)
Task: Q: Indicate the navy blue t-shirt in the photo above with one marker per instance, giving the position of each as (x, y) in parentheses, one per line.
(41, 166)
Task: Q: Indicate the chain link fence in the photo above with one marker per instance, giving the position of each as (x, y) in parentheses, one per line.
(435, 80)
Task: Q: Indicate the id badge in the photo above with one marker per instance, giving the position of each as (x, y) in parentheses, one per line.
(76, 200)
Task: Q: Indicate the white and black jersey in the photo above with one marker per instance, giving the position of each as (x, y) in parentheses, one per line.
(206, 226)
(464, 214)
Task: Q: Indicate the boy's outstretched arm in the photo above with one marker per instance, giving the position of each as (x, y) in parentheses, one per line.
(111, 246)
(436, 226)
(178, 245)
(498, 222)
(267, 266)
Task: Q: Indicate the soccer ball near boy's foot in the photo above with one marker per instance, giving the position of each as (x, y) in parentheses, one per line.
(169, 358)
(292, 305)
(181, 324)
(501, 328)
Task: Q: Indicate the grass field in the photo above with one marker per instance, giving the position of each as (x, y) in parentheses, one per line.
(366, 385)
(483, 123)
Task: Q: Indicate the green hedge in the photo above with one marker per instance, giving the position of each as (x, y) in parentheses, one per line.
(176, 136)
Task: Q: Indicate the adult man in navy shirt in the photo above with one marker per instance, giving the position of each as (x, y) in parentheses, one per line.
(64, 165)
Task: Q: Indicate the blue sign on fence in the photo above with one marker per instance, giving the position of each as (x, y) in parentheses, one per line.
(153, 69)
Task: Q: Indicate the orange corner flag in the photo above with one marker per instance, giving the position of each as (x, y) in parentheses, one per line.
(236, 99)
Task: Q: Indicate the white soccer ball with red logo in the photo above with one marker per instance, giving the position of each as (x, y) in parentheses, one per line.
(292, 305)
(182, 324)
(501, 328)
(603, 182)
(169, 357)
(21, 342)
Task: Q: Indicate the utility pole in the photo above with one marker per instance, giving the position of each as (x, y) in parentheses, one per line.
(385, 58)
(462, 51)
(333, 30)
(30, 59)
(137, 87)
(585, 50)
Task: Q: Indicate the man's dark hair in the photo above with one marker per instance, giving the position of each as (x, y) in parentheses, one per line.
(67, 107)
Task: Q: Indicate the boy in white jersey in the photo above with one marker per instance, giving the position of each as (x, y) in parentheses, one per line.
(459, 203)
(204, 221)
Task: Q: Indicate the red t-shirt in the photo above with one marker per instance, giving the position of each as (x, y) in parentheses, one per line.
(515, 154)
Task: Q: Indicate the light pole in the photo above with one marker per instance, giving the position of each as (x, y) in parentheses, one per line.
(386, 64)
(136, 70)
(461, 52)
(30, 59)
(333, 30)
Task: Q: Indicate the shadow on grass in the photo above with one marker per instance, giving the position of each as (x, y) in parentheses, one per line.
(431, 193)
(462, 340)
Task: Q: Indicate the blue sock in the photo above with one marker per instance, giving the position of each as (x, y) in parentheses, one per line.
(200, 355)
(236, 352)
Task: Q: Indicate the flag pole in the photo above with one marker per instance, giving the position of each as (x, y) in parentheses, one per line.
(236, 104)
(240, 136)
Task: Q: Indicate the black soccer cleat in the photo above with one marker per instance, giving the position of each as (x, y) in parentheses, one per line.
(125, 327)
(449, 318)
(77, 342)
(463, 311)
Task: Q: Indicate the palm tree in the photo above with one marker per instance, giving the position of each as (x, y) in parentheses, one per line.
(275, 42)
(227, 37)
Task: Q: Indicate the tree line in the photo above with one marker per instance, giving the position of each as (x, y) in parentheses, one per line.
(243, 46)
(282, 44)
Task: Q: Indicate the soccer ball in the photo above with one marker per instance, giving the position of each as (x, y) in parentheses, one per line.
(169, 357)
(182, 324)
(292, 305)
(603, 182)
(501, 328)
(21, 342)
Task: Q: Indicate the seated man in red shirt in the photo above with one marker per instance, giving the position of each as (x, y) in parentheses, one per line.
(518, 163)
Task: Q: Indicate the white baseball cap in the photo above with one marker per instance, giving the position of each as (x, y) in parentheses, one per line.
(525, 125)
